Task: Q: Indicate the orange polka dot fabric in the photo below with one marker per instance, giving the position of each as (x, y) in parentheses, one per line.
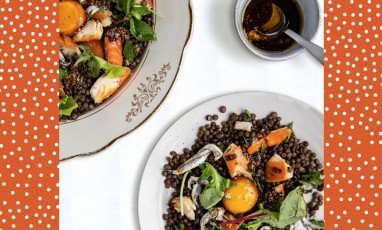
(28, 115)
(353, 106)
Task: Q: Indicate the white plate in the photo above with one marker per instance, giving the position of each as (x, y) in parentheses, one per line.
(153, 196)
(143, 92)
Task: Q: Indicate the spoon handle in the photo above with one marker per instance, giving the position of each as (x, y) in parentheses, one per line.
(316, 51)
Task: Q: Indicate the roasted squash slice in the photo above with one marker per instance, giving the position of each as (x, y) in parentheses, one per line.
(97, 48)
(71, 17)
(236, 161)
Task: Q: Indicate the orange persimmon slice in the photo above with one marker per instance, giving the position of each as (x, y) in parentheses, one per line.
(71, 17)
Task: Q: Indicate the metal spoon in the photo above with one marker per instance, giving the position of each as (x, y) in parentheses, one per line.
(316, 51)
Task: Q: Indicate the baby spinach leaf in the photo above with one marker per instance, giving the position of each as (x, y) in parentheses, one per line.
(214, 191)
(313, 178)
(67, 105)
(253, 225)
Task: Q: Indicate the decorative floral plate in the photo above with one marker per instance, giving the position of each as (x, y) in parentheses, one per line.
(308, 124)
(142, 94)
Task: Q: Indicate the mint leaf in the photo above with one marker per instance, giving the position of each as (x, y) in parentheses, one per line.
(129, 52)
(142, 10)
(101, 9)
(67, 105)
(124, 6)
(253, 225)
(63, 72)
(144, 32)
(313, 178)
(214, 190)
(133, 31)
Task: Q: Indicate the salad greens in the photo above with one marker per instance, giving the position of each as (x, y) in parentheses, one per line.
(319, 223)
(132, 14)
(221, 146)
(252, 225)
(129, 52)
(292, 209)
(247, 115)
(63, 72)
(313, 178)
(214, 191)
(95, 64)
(66, 105)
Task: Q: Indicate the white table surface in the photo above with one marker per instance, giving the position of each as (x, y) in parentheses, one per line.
(101, 192)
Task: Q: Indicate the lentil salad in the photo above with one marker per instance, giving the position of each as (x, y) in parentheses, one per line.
(101, 41)
(301, 161)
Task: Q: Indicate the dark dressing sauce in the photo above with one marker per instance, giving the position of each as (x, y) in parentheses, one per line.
(259, 12)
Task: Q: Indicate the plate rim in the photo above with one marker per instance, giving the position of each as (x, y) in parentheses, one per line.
(182, 57)
(194, 107)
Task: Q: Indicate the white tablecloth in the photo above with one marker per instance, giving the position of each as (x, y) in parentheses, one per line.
(101, 192)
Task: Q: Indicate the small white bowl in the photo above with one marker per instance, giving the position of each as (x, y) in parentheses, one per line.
(310, 14)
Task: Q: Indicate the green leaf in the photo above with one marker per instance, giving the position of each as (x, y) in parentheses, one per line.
(179, 227)
(67, 105)
(210, 197)
(136, 14)
(144, 32)
(101, 9)
(142, 10)
(258, 185)
(63, 72)
(94, 67)
(214, 191)
(85, 49)
(133, 31)
(247, 115)
(292, 209)
(313, 178)
(215, 226)
(129, 52)
(221, 146)
(262, 148)
(317, 222)
(112, 71)
(124, 6)
(290, 126)
(253, 225)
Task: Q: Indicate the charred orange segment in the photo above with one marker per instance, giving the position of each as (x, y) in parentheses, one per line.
(237, 162)
(97, 48)
(100, 15)
(242, 197)
(231, 227)
(273, 138)
(71, 17)
(279, 188)
(276, 170)
(113, 50)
